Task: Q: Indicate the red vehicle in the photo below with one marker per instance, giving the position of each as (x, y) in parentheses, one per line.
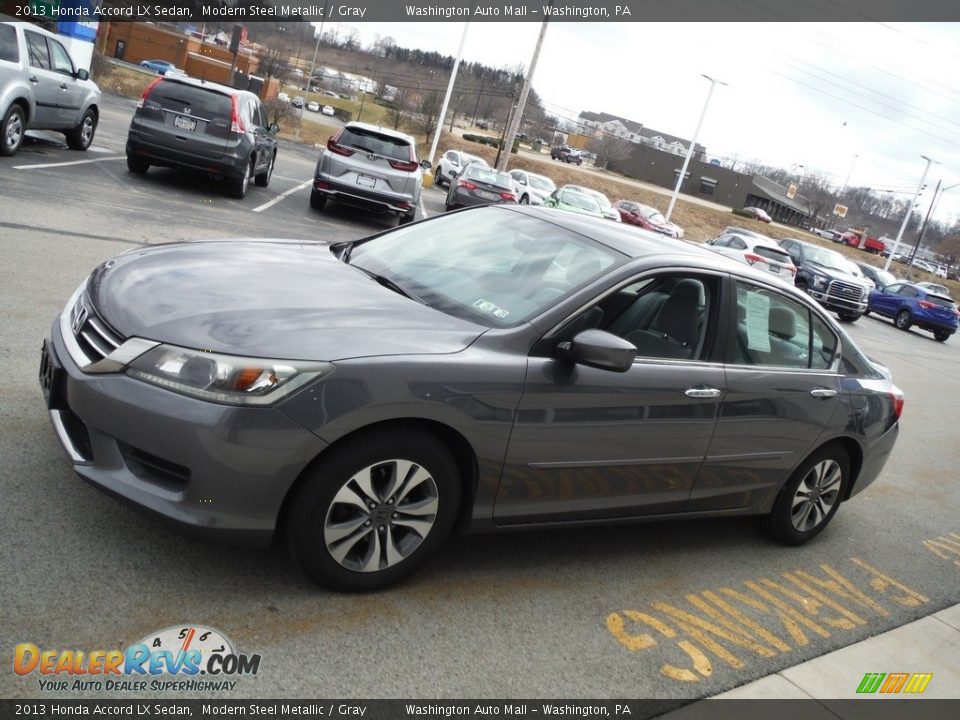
(857, 239)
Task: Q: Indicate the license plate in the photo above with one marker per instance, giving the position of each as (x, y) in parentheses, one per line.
(487, 194)
(774, 268)
(51, 378)
(366, 181)
(184, 123)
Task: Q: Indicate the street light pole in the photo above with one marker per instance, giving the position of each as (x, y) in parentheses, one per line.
(446, 97)
(937, 194)
(686, 161)
(906, 218)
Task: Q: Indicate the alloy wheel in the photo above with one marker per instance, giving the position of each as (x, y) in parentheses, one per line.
(817, 493)
(381, 515)
(14, 131)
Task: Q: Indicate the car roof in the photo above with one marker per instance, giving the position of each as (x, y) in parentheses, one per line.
(8, 20)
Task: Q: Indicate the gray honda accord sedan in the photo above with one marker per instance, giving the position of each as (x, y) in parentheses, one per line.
(491, 369)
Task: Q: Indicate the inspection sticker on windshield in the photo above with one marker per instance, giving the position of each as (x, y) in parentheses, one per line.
(485, 306)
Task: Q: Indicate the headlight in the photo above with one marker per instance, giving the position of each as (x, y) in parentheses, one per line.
(227, 379)
(819, 282)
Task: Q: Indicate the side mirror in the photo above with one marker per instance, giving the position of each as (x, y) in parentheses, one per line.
(599, 349)
(426, 164)
(83, 75)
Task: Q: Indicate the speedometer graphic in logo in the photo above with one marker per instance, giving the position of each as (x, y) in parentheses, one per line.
(184, 638)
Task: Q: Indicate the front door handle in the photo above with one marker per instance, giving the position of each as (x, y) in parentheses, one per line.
(34, 79)
(823, 393)
(702, 393)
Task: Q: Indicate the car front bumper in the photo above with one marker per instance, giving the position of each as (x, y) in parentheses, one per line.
(216, 471)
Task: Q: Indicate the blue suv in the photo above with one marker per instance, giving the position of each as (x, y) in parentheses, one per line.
(910, 304)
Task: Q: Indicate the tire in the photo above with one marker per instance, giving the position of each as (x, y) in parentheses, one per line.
(12, 131)
(579, 162)
(240, 185)
(406, 219)
(903, 321)
(401, 485)
(263, 179)
(317, 200)
(81, 136)
(525, 200)
(137, 165)
(848, 317)
(866, 312)
(438, 180)
(941, 335)
(811, 497)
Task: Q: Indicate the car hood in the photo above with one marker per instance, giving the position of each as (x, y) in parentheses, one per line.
(835, 274)
(266, 298)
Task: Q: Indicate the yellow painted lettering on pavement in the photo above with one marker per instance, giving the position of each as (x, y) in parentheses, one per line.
(881, 583)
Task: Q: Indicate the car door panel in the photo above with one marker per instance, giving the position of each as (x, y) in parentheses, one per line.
(593, 444)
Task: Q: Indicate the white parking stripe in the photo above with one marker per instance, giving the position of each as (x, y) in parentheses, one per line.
(423, 210)
(281, 196)
(64, 164)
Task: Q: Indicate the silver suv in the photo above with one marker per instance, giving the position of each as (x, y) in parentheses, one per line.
(42, 89)
(370, 167)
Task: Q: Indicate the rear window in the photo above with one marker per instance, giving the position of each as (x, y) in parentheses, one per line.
(488, 175)
(202, 102)
(374, 142)
(8, 44)
(541, 183)
(39, 55)
(942, 302)
(772, 254)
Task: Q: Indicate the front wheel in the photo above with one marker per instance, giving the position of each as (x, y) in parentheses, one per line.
(373, 510)
(848, 317)
(811, 496)
(903, 321)
(941, 335)
(80, 137)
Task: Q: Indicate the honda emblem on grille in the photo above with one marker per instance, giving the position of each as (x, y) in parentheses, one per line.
(79, 320)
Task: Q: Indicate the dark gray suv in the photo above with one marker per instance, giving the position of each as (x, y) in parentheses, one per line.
(42, 89)
(183, 122)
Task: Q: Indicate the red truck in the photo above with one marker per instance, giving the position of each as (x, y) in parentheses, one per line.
(859, 239)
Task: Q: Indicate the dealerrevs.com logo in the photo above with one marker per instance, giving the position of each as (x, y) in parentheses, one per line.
(171, 659)
(894, 683)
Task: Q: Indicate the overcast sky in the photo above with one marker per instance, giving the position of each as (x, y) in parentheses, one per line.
(798, 94)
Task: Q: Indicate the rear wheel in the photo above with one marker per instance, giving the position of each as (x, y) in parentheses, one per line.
(849, 317)
(405, 219)
(317, 200)
(903, 320)
(11, 134)
(263, 179)
(372, 511)
(240, 185)
(137, 165)
(811, 496)
(81, 136)
(525, 200)
(941, 335)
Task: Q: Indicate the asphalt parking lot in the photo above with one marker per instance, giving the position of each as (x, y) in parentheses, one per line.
(619, 612)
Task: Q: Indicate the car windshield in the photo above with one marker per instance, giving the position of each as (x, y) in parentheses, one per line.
(470, 159)
(493, 267)
(579, 200)
(600, 198)
(541, 183)
(885, 278)
(828, 258)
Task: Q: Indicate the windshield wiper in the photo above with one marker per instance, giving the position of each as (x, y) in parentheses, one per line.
(390, 285)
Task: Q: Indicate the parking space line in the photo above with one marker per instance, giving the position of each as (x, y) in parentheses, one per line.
(282, 195)
(64, 164)
(423, 210)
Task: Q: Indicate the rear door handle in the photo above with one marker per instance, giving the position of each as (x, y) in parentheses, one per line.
(702, 393)
(33, 79)
(823, 393)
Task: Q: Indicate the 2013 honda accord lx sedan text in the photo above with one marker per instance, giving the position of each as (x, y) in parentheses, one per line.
(489, 369)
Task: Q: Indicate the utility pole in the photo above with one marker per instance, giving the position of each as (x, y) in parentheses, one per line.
(477, 106)
(446, 98)
(521, 103)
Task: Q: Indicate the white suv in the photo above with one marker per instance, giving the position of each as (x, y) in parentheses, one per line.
(42, 89)
(370, 167)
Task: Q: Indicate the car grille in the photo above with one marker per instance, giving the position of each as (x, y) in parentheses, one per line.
(95, 339)
(845, 291)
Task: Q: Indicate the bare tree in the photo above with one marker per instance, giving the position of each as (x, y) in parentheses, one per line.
(608, 147)
(429, 111)
(400, 107)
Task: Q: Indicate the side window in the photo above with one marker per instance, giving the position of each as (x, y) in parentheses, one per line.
(663, 316)
(893, 289)
(259, 116)
(9, 50)
(737, 243)
(61, 58)
(771, 329)
(722, 241)
(37, 48)
(451, 156)
(824, 347)
(907, 291)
